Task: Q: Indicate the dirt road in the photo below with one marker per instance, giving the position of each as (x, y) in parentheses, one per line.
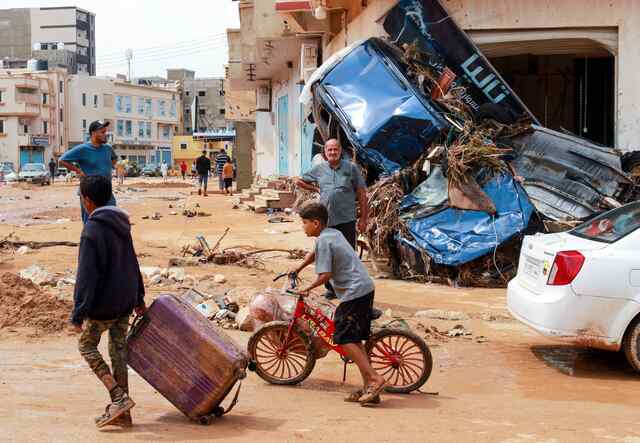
(510, 386)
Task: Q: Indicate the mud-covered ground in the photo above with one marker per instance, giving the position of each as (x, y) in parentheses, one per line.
(501, 383)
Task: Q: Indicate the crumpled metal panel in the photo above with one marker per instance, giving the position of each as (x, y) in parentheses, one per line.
(428, 23)
(454, 237)
(567, 177)
(388, 122)
(427, 196)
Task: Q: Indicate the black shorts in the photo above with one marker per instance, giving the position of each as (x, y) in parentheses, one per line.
(353, 320)
(228, 182)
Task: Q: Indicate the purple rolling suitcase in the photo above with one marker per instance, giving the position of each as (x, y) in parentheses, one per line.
(186, 358)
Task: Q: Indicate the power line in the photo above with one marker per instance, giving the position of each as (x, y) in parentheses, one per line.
(180, 43)
(166, 56)
(162, 51)
(162, 57)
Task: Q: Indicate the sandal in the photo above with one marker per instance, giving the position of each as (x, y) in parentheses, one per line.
(372, 393)
(354, 397)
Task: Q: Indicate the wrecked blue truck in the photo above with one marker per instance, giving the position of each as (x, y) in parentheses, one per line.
(368, 98)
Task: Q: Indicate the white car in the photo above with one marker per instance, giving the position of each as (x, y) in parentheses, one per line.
(584, 285)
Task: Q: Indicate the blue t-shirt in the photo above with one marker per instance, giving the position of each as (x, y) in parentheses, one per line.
(92, 160)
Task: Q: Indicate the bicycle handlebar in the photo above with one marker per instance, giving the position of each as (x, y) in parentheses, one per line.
(293, 278)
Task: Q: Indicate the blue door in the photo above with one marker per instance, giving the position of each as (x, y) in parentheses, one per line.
(31, 155)
(166, 156)
(283, 135)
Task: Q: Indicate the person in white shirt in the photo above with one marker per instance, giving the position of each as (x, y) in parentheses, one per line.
(164, 169)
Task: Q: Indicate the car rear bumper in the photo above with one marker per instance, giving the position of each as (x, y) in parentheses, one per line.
(559, 313)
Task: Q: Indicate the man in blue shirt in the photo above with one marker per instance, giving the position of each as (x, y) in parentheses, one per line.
(93, 158)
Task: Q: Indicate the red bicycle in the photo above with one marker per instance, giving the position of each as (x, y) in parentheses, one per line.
(284, 354)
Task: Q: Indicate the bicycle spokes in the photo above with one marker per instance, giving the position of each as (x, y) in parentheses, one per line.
(398, 359)
(281, 354)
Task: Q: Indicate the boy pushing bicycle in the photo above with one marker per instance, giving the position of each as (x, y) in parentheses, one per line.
(336, 262)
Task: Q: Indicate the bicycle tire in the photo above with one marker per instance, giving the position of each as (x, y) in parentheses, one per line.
(262, 351)
(419, 378)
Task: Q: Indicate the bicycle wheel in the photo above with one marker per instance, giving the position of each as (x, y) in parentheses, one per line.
(278, 362)
(401, 357)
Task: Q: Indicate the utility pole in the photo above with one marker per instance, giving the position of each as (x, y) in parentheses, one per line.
(129, 55)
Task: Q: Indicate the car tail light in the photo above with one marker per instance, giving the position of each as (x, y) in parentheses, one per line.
(565, 268)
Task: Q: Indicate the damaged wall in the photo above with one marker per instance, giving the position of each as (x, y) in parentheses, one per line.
(624, 15)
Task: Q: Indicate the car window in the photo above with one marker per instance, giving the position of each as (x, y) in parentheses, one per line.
(33, 167)
(612, 225)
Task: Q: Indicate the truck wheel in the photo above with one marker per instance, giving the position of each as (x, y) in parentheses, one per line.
(631, 344)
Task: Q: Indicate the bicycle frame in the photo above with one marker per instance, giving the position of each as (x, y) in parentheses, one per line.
(322, 324)
(325, 327)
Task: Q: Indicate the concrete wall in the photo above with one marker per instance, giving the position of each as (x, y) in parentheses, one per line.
(266, 155)
(49, 17)
(15, 33)
(243, 153)
(544, 14)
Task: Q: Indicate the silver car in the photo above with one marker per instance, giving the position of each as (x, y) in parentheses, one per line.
(35, 173)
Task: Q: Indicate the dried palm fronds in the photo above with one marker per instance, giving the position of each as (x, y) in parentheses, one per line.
(384, 215)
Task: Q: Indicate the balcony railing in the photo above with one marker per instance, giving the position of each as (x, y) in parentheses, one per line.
(31, 99)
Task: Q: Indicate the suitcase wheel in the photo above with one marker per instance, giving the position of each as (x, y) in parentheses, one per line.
(206, 420)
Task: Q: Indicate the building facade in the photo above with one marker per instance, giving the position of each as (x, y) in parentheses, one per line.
(203, 101)
(143, 119)
(64, 36)
(573, 66)
(33, 116)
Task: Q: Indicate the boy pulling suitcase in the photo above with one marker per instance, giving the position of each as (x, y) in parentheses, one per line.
(108, 288)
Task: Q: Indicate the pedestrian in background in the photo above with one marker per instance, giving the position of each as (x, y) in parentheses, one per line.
(221, 159)
(121, 169)
(227, 176)
(164, 170)
(183, 169)
(93, 158)
(52, 169)
(203, 167)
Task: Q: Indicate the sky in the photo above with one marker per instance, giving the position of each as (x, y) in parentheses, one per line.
(163, 34)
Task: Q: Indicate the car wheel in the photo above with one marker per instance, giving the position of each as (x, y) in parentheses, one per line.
(631, 344)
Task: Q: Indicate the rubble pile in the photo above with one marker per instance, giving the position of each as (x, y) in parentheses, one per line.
(458, 169)
(26, 304)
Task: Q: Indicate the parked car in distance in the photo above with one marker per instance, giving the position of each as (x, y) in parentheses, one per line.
(584, 285)
(7, 174)
(132, 170)
(150, 170)
(61, 172)
(35, 173)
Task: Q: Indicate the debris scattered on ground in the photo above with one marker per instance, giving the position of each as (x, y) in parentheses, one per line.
(219, 278)
(194, 211)
(23, 250)
(39, 276)
(279, 219)
(459, 331)
(440, 314)
(24, 304)
(240, 255)
(12, 242)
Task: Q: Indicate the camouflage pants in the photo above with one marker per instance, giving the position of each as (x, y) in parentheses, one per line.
(88, 346)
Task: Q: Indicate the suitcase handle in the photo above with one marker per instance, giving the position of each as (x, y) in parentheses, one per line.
(219, 411)
(138, 325)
